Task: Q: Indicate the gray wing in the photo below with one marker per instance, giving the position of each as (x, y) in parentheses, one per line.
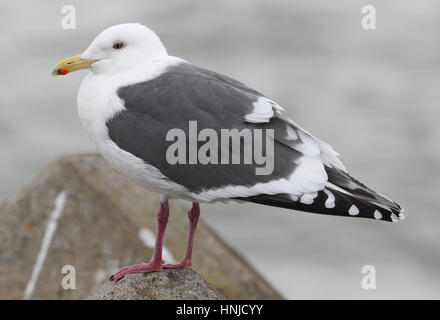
(187, 93)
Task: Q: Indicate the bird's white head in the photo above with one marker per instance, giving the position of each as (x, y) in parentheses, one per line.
(117, 48)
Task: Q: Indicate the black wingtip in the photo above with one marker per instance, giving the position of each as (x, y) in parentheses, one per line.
(344, 204)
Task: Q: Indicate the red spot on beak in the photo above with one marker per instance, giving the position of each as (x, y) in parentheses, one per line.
(63, 72)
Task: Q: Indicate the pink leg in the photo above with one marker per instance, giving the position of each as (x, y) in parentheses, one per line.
(155, 263)
(193, 216)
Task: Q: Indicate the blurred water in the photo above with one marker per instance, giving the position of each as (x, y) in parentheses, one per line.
(373, 95)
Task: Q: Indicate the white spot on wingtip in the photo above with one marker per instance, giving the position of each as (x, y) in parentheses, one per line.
(330, 202)
(353, 211)
(377, 215)
(329, 205)
(307, 198)
(402, 216)
(394, 217)
(293, 197)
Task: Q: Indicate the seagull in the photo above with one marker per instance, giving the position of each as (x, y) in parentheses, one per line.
(137, 102)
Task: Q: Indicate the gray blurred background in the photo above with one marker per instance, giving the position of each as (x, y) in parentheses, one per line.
(373, 95)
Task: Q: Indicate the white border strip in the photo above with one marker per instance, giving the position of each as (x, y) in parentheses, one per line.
(59, 203)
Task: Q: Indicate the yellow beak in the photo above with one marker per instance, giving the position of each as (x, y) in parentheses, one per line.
(72, 64)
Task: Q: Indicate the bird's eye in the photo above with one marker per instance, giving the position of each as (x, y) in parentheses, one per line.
(118, 45)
